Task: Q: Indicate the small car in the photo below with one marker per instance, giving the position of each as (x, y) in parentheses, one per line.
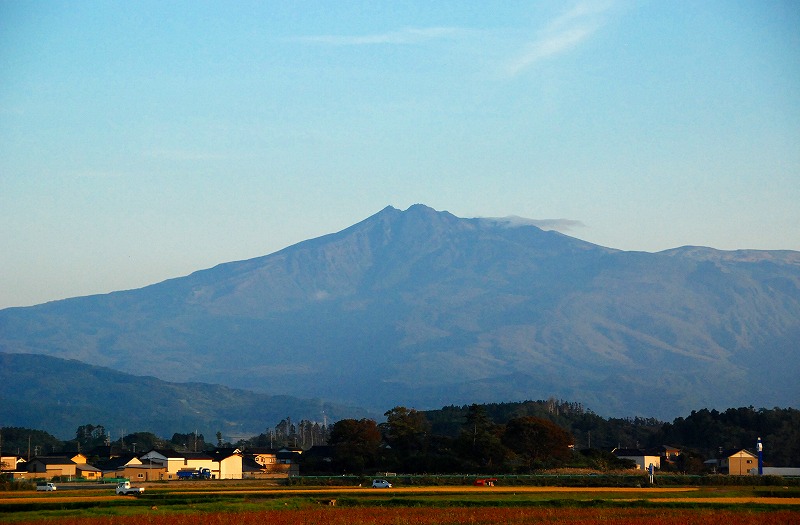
(381, 484)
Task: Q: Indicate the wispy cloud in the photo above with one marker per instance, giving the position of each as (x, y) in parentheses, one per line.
(562, 34)
(513, 221)
(408, 35)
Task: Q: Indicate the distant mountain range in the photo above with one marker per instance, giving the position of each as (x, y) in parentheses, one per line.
(424, 309)
(59, 395)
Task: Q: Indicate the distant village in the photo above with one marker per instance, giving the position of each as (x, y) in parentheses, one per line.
(265, 463)
(157, 464)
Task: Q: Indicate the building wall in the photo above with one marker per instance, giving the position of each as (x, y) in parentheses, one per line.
(9, 462)
(52, 470)
(140, 473)
(265, 459)
(740, 464)
(194, 464)
(230, 468)
(643, 462)
(89, 474)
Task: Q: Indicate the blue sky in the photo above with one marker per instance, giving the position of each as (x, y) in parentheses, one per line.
(144, 140)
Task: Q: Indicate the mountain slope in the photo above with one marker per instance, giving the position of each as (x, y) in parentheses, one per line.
(422, 308)
(82, 394)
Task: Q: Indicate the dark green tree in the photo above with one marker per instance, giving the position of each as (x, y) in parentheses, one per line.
(537, 442)
(357, 444)
(479, 442)
(91, 436)
(141, 442)
(191, 441)
(407, 432)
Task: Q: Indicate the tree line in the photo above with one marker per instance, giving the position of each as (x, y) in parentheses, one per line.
(495, 437)
(406, 442)
(524, 436)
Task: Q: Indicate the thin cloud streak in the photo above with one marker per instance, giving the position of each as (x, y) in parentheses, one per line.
(405, 36)
(562, 34)
(514, 221)
(548, 47)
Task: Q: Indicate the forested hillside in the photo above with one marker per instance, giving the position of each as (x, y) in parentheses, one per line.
(703, 432)
(32, 398)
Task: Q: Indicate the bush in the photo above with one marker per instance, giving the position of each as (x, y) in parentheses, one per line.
(8, 484)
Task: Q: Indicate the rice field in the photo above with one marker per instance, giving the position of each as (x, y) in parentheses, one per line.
(447, 516)
(177, 504)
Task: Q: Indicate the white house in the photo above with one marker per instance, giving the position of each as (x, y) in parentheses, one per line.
(642, 458)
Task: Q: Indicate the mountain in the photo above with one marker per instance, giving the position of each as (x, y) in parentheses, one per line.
(59, 395)
(421, 308)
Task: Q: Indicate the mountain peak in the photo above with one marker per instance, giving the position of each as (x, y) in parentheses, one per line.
(422, 308)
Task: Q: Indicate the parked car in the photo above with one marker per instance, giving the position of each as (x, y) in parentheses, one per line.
(381, 484)
(485, 482)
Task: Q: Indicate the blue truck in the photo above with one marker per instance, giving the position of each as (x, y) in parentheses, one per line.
(200, 473)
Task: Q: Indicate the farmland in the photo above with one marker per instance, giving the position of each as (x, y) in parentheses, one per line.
(245, 503)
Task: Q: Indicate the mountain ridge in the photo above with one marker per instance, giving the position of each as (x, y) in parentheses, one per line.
(99, 395)
(423, 308)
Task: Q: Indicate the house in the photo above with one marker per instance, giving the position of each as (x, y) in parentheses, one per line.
(258, 462)
(290, 456)
(143, 472)
(252, 470)
(84, 470)
(48, 467)
(115, 467)
(9, 463)
(737, 462)
(14, 467)
(643, 459)
(266, 457)
(669, 453)
(228, 462)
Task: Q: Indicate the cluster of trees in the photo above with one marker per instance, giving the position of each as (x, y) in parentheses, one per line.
(30, 443)
(703, 433)
(304, 434)
(498, 437)
(406, 442)
(537, 434)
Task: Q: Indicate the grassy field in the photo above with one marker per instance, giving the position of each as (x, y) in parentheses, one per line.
(180, 503)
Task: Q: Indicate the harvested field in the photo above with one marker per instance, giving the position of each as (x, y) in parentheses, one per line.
(178, 504)
(449, 516)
